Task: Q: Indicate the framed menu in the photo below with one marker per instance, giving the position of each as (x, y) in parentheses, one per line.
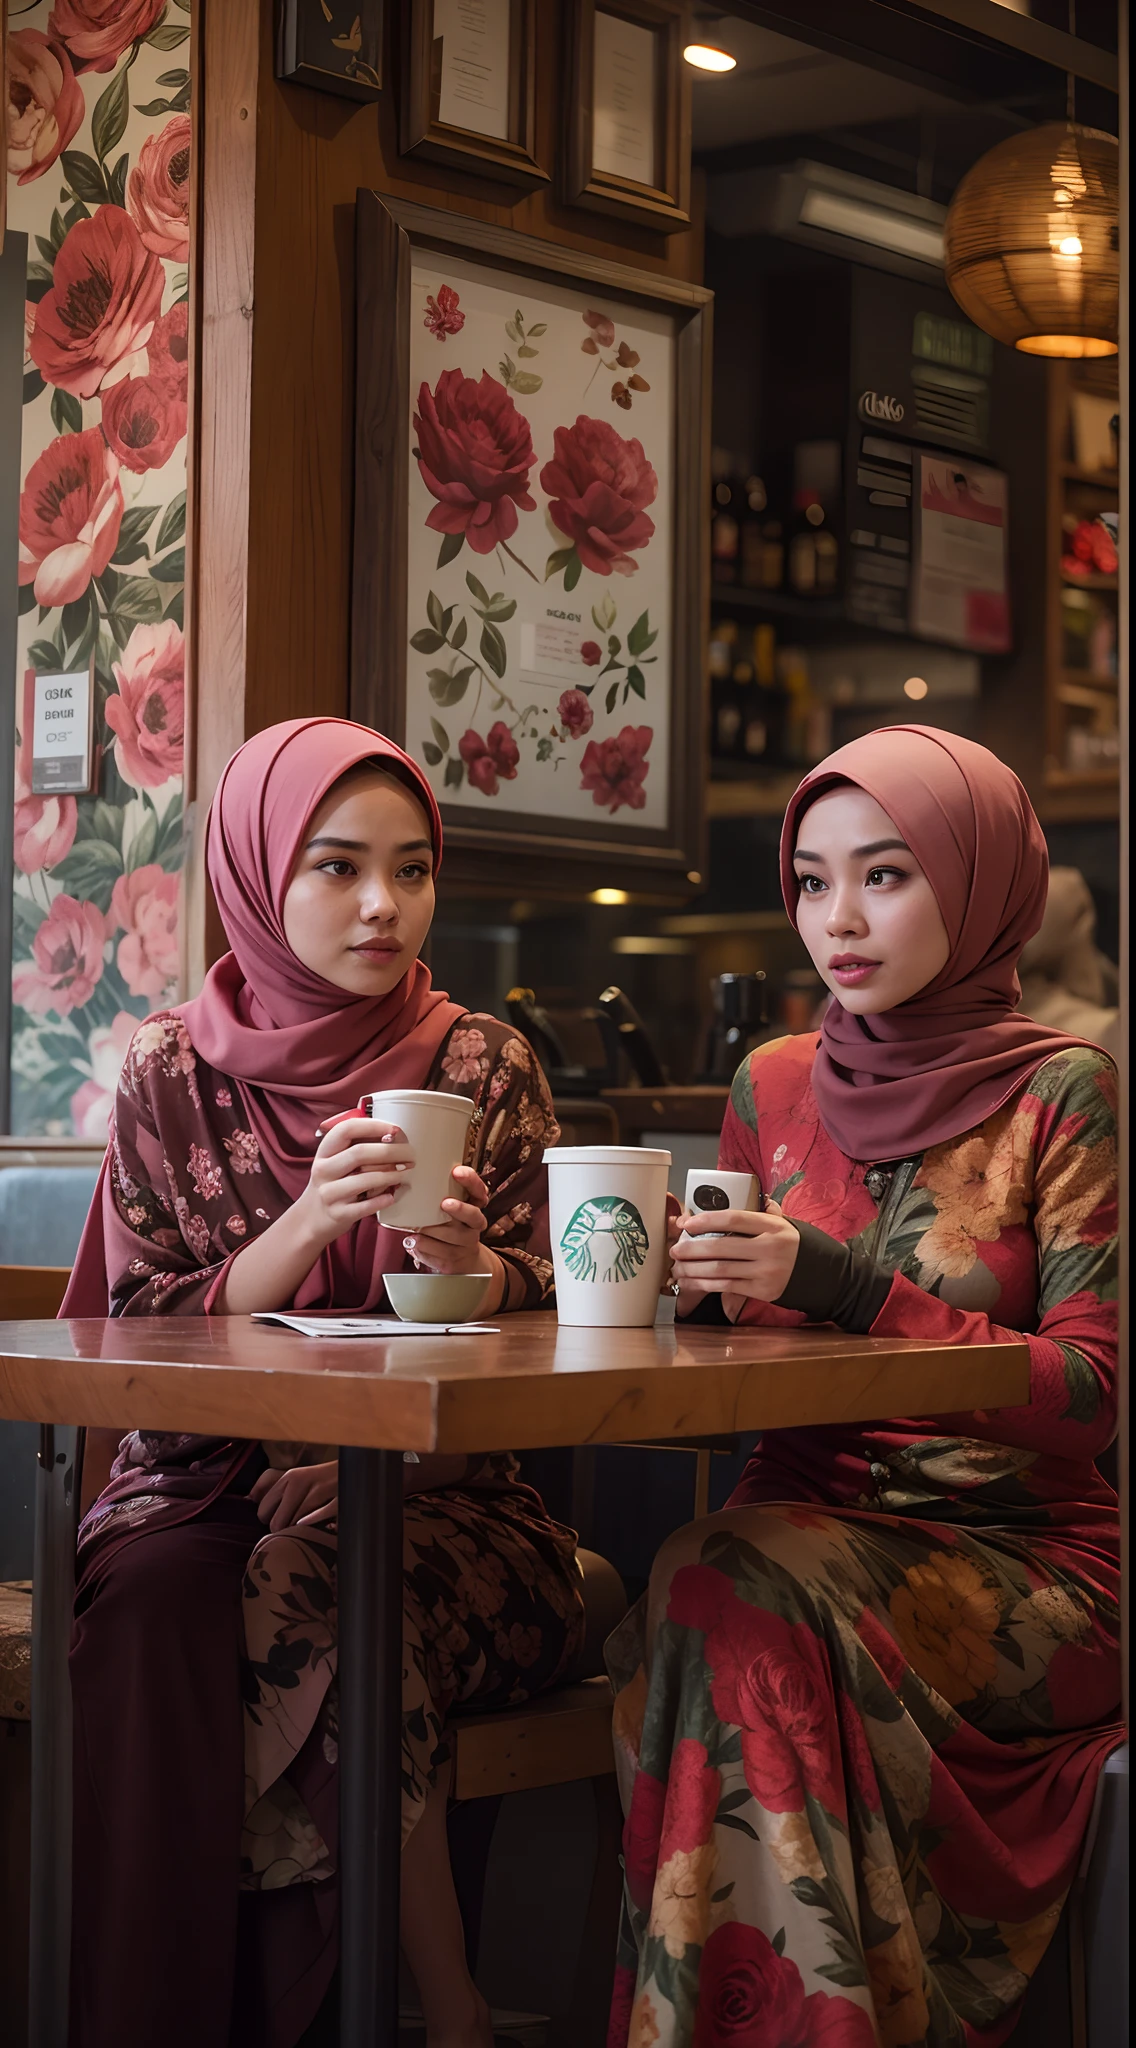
(627, 139)
(470, 92)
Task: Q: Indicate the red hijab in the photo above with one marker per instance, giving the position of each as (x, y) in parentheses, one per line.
(297, 1048)
(892, 1085)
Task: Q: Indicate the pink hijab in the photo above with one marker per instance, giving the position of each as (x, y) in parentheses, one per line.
(892, 1085)
(298, 1049)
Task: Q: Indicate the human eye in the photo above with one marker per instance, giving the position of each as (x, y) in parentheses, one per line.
(413, 871)
(811, 885)
(339, 869)
(882, 878)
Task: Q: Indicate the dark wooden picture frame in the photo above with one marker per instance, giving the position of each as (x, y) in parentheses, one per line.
(664, 205)
(343, 55)
(421, 133)
(546, 850)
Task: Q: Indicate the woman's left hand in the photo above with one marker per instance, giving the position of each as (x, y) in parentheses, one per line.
(304, 1493)
(456, 1246)
(753, 1261)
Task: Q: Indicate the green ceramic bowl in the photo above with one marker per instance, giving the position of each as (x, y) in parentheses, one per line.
(437, 1297)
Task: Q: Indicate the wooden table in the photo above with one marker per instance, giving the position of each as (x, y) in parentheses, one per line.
(532, 1384)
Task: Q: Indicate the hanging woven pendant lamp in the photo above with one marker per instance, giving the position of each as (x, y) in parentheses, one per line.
(1032, 241)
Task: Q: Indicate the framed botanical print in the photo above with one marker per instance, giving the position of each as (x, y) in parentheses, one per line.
(626, 144)
(468, 96)
(335, 45)
(529, 575)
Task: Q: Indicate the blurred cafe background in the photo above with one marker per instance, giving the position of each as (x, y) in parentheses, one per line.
(832, 292)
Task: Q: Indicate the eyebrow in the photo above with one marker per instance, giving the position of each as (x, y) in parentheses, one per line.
(859, 852)
(361, 845)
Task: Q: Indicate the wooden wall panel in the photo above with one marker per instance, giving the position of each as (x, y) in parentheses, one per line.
(281, 165)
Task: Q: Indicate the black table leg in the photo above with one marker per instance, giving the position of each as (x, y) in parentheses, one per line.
(370, 1744)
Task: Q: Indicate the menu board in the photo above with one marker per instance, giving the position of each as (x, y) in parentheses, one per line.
(624, 99)
(960, 586)
(474, 90)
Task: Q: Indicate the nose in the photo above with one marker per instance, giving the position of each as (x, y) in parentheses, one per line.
(846, 917)
(377, 903)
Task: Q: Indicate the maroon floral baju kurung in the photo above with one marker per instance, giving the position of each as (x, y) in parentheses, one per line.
(204, 1654)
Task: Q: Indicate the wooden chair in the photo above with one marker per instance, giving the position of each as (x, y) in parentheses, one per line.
(34, 1292)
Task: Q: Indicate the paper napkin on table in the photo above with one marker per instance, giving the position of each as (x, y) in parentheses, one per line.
(374, 1326)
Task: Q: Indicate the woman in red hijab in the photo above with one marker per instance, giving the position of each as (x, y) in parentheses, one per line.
(235, 1182)
(862, 1710)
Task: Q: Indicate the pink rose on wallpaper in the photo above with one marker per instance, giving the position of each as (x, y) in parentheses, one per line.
(442, 314)
(475, 452)
(70, 511)
(67, 952)
(487, 759)
(98, 31)
(43, 826)
(168, 351)
(616, 769)
(45, 103)
(145, 902)
(143, 421)
(100, 311)
(91, 1105)
(591, 653)
(147, 715)
(575, 714)
(157, 190)
(599, 485)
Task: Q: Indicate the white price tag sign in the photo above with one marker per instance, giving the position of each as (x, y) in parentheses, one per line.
(61, 734)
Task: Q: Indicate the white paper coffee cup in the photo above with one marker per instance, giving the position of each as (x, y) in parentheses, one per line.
(436, 1127)
(608, 1216)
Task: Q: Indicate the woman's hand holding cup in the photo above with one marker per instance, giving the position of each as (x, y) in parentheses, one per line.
(358, 1170)
(741, 1254)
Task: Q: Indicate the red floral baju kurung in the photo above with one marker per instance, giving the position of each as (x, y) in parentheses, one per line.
(860, 1755)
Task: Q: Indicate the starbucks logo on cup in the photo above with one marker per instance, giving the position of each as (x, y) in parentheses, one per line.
(606, 1240)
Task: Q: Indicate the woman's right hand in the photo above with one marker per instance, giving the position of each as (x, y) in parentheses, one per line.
(359, 1167)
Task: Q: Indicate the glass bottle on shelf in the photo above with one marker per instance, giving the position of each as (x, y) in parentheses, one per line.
(802, 544)
(752, 548)
(725, 717)
(725, 520)
(794, 673)
(764, 732)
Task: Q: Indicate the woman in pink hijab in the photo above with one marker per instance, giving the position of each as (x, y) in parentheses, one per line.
(237, 1179)
(862, 1711)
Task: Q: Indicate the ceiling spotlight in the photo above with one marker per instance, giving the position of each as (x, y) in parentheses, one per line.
(915, 687)
(609, 896)
(706, 57)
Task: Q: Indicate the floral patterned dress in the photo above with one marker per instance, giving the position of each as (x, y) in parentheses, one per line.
(493, 1609)
(860, 1725)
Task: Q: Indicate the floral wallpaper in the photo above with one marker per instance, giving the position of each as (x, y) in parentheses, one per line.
(98, 171)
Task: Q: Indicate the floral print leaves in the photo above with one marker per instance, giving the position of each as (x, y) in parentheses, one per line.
(524, 381)
(639, 639)
(601, 337)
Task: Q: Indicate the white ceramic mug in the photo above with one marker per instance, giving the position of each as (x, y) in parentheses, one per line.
(708, 1189)
(608, 1215)
(436, 1127)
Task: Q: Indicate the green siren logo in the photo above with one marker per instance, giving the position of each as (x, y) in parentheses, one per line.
(606, 1240)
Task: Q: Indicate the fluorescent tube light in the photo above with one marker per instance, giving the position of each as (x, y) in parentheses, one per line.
(841, 215)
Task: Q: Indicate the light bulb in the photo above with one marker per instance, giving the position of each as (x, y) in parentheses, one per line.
(1069, 245)
(609, 896)
(705, 57)
(915, 687)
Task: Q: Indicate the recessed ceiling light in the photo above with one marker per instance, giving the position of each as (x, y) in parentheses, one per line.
(706, 57)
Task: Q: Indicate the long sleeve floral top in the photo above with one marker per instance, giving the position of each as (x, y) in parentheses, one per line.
(186, 1188)
(1009, 1229)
